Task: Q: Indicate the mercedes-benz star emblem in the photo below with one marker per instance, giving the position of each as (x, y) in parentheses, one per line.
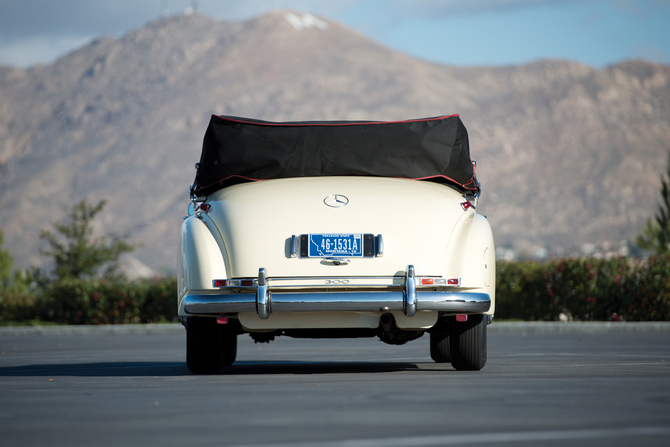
(336, 200)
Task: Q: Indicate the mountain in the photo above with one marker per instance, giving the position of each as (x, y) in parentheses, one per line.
(567, 154)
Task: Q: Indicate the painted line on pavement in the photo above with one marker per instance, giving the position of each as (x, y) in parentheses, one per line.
(483, 438)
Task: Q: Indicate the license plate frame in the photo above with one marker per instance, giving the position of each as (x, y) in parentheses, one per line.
(316, 245)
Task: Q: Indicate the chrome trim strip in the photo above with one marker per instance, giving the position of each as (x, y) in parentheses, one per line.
(335, 284)
(460, 302)
(318, 278)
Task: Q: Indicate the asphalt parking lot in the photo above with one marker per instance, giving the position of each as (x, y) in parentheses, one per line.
(600, 385)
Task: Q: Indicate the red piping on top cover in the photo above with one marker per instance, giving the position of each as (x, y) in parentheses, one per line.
(451, 180)
(353, 123)
(405, 178)
(232, 176)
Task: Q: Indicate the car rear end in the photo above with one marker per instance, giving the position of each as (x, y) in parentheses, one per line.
(330, 256)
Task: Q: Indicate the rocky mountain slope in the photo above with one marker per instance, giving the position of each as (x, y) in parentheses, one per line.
(567, 154)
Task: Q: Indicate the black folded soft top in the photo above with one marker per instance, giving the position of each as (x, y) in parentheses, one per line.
(237, 150)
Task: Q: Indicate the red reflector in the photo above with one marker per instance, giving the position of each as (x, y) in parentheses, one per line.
(426, 281)
(220, 283)
(461, 317)
(222, 320)
(247, 282)
(466, 205)
(204, 207)
(454, 281)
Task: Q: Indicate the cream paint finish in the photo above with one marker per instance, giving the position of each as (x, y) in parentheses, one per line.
(200, 258)
(256, 221)
(249, 226)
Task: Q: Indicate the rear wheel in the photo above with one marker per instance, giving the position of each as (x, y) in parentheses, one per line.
(228, 348)
(468, 343)
(208, 346)
(440, 346)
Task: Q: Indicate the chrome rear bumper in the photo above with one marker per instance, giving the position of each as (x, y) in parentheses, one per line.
(343, 302)
(264, 302)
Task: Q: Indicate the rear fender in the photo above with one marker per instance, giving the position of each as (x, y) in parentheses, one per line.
(471, 255)
(202, 259)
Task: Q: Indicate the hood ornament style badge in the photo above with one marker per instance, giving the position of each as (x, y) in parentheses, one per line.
(336, 200)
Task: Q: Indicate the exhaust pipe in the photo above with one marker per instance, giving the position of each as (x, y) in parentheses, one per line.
(390, 334)
(387, 323)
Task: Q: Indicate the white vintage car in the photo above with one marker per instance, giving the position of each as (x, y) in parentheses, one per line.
(336, 229)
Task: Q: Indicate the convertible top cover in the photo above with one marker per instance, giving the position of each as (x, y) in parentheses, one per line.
(237, 150)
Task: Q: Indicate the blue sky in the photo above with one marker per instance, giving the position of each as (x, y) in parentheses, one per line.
(474, 32)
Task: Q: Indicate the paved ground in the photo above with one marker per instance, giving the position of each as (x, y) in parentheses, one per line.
(131, 387)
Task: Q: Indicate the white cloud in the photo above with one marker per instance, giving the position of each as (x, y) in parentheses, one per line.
(441, 8)
(651, 52)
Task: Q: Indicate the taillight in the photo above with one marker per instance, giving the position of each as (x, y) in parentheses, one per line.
(204, 207)
(461, 318)
(466, 205)
(432, 281)
(454, 281)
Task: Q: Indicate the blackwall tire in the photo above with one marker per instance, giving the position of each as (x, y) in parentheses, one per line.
(440, 342)
(203, 346)
(468, 343)
(228, 348)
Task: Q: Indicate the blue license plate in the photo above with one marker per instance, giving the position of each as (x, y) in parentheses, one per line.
(335, 245)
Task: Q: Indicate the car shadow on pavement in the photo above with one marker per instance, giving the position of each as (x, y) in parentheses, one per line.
(156, 369)
(297, 367)
(102, 369)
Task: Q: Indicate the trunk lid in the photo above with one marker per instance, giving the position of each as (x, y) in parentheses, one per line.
(256, 221)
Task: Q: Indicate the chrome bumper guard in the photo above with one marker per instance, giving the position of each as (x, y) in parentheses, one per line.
(409, 301)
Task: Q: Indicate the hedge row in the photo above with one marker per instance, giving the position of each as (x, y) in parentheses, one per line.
(99, 301)
(622, 289)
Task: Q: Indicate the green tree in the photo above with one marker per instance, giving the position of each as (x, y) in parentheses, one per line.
(656, 235)
(75, 252)
(11, 281)
(6, 264)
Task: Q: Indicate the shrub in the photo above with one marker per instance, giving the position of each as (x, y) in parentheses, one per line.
(621, 289)
(96, 301)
